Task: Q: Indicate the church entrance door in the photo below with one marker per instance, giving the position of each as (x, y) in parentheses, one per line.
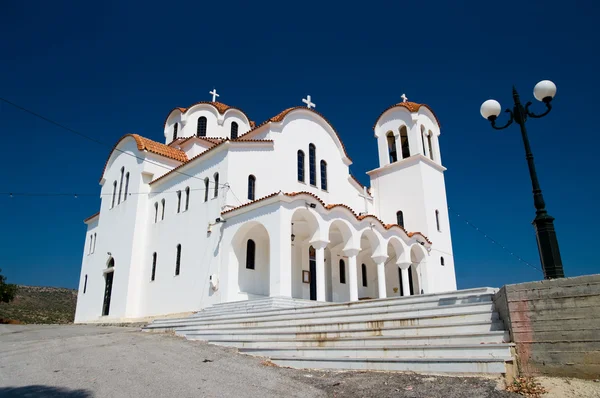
(108, 288)
(410, 280)
(312, 265)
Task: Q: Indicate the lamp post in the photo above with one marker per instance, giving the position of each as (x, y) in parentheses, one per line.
(544, 91)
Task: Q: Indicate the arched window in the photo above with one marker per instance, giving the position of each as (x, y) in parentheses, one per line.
(404, 142)
(391, 140)
(423, 140)
(114, 194)
(126, 187)
(430, 145)
(178, 260)
(121, 184)
(216, 176)
(251, 187)
(187, 198)
(201, 128)
(342, 271)
(162, 217)
(300, 166)
(312, 164)
(155, 212)
(234, 130)
(364, 274)
(206, 182)
(178, 201)
(153, 267)
(91, 243)
(94, 245)
(175, 126)
(85, 284)
(442, 261)
(400, 218)
(250, 254)
(323, 175)
(437, 220)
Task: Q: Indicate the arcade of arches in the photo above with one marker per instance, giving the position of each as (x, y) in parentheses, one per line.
(331, 260)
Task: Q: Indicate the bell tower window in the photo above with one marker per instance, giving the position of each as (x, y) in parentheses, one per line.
(430, 145)
(404, 142)
(391, 140)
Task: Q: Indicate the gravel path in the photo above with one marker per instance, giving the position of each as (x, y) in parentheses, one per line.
(88, 361)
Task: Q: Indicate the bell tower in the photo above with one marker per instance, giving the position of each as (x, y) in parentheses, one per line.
(408, 186)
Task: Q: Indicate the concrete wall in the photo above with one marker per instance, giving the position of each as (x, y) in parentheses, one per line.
(555, 325)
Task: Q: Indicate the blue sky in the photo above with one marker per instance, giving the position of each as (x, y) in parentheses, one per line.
(115, 68)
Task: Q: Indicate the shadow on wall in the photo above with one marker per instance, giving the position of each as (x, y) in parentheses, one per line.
(43, 391)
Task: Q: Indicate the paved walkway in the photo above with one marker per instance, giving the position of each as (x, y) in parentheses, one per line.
(88, 361)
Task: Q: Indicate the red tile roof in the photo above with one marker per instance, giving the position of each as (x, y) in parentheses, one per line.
(279, 118)
(330, 207)
(91, 217)
(176, 169)
(150, 146)
(412, 107)
(219, 106)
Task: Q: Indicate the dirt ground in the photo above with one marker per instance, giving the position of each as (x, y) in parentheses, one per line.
(91, 361)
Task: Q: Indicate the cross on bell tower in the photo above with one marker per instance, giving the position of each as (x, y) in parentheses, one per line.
(404, 98)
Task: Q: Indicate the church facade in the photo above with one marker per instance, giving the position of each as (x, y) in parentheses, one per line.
(226, 210)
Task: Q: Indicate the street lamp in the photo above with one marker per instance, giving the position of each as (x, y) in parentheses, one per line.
(544, 91)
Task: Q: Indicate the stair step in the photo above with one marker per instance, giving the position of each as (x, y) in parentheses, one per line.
(421, 365)
(498, 351)
(390, 331)
(441, 300)
(370, 314)
(373, 341)
(323, 325)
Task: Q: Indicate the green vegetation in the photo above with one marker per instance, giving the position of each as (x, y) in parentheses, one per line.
(36, 304)
(7, 291)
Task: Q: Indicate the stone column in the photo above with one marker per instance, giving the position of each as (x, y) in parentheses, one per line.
(405, 281)
(380, 261)
(352, 274)
(320, 246)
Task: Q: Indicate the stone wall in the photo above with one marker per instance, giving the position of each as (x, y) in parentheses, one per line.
(555, 325)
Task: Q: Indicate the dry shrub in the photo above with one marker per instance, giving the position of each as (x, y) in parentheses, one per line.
(528, 387)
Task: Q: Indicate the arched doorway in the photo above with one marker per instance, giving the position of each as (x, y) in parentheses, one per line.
(251, 253)
(109, 273)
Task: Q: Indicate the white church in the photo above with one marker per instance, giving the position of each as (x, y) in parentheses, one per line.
(226, 210)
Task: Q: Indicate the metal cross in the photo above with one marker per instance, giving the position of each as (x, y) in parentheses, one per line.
(308, 103)
(404, 97)
(214, 94)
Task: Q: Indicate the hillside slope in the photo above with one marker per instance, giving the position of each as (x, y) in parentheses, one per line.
(38, 304)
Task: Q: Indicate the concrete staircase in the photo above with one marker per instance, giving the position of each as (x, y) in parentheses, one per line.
(454, 332)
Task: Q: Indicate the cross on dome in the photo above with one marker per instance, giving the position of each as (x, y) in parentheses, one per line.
(308, 103)
(404, 98)
(214, 94)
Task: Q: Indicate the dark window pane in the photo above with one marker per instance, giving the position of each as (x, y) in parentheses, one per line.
(201, 128)
(312, 164)
(250, 254)
(323, 175)
(301, 166)
(342, 271)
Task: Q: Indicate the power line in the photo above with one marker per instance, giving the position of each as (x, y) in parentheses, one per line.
(94, 139)
(485, 235)
(49, 194)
